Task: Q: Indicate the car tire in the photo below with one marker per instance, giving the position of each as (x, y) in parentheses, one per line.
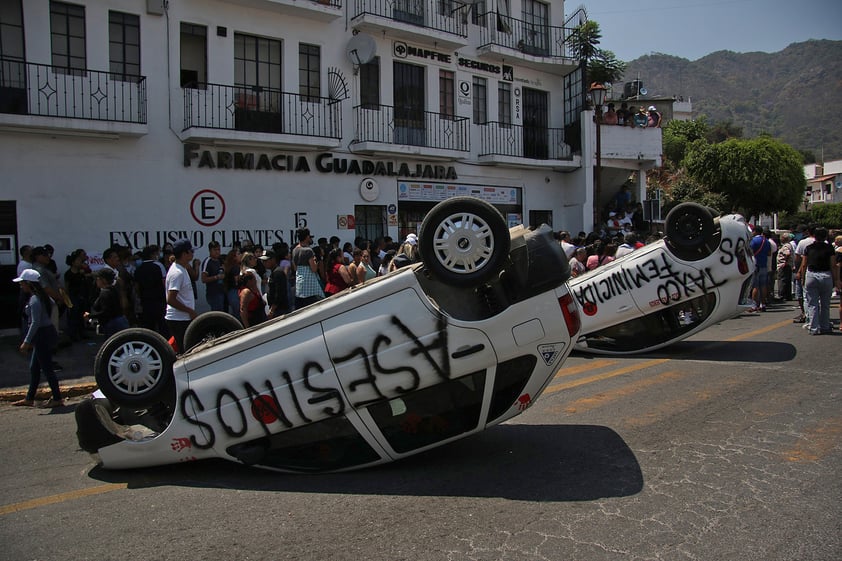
(689, 226)
(210, 325)
(134, 368)
(464, 241)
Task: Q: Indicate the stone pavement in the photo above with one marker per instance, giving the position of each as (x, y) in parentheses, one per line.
(76, 377)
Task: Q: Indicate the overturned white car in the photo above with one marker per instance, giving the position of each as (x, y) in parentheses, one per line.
(426, 355)
(698, 275)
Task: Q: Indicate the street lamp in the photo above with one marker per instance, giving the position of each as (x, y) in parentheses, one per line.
(597, 92)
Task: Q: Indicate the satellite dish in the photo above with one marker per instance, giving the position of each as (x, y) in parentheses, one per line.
(369, 189)
(361, 49)
(643, 91)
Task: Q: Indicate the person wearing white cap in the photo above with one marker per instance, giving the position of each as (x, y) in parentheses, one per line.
(407, 253)
(654, 118)
(40, 338)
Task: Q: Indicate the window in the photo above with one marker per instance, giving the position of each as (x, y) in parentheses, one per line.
(12, 70)
(432, 414)
(504, 103)
(370, 84)
(655, 328)
(478, 13)
(194, 58)
(257, 72)
(309, 78)
(11, 30)
(67, 36)
(536, 28)
(447, 99)
(480, 100)
(124, 45)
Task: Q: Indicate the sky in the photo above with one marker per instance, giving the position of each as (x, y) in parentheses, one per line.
(692, 29)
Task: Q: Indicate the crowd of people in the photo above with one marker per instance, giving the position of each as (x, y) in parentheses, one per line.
(628, 117)
(158, 288)
(803, 265)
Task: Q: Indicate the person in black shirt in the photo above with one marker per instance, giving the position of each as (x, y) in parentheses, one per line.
(107, 309)
(820, 276)
(149, 280)
(277, 292)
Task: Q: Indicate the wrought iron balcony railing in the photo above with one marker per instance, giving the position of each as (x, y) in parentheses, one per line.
(442, 15)
(28, 88)
(258, 109)
(397, 125)
(528, 38)
(517, 141)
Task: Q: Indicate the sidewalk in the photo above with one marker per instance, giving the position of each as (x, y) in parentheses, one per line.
(76, 377)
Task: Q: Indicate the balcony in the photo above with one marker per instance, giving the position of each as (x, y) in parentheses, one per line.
(385, 130)
(542, 47)
(630, 147)
(220, 115)
(62, 101)
(320, 10)
(439, 23)
(516, 145)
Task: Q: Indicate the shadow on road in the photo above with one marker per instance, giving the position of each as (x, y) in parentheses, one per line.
(518, 462)
(728, 351)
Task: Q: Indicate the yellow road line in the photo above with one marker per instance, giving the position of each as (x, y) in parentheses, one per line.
(666, 408)
(640, 366)
(760, 331)
(605, 375)
(61, 497)
(592, 402)
(593, 365)
(817, 442)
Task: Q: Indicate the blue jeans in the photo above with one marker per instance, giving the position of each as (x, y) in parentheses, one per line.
(234, 303)
(216, 301)
(42, 361)
(818, 287)
(114, 325)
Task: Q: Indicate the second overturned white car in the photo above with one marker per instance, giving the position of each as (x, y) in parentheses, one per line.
(698, 275)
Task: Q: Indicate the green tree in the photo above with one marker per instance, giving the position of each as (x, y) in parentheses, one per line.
(604, 67)
(677, 135)
(757, 176)
(724, 130)
(599, 65)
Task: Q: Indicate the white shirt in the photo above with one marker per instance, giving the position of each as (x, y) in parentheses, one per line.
(178, 279)
(23, 265)
(569, 249)
(771, 253)
(624, 249)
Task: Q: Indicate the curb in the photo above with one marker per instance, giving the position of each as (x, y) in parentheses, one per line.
(74, 390)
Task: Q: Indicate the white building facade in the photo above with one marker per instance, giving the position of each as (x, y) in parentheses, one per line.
(139, 122)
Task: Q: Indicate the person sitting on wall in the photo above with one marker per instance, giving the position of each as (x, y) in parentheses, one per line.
(653, 117)
(610, 116)
(623, 115)
(641, 119)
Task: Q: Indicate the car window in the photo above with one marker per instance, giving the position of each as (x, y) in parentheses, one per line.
(324, 445)
(655, 328)
(509, 380)
(431, 415)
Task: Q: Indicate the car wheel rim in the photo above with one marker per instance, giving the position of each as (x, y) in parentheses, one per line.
(135, 368)
(463, 243)
(690, 226)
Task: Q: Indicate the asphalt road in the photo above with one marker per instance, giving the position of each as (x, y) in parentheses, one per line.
(727, 446)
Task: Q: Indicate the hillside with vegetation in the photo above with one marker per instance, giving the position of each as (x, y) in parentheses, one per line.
(794, 95)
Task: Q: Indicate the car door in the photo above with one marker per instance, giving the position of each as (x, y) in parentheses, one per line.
(606, 295)
(277, 403)
(414, 376)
